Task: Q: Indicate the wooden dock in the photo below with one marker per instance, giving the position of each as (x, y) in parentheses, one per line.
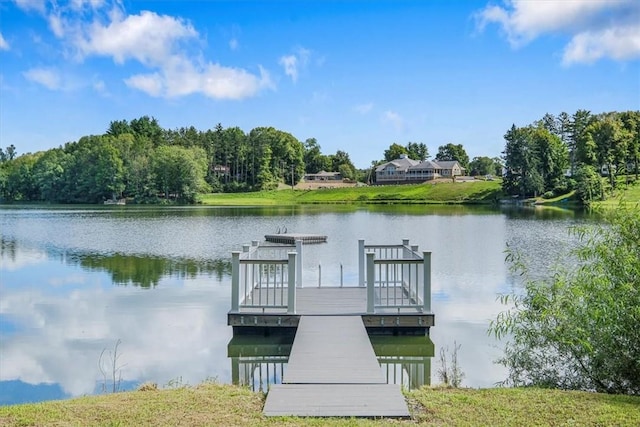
(345, 301)
(333, 371)
(290, 238)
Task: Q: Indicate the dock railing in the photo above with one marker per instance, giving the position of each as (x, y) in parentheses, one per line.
(263, 277)
(397, 277)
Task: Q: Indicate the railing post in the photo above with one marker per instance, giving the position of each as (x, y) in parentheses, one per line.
(405, 249)
(291, 289)
(361, 262)
(299, 263)
(426, 298)
(235, 281)
(319, 275)
(371, 281)
(341, 276)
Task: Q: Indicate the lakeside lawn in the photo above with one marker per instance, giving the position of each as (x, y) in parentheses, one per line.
(473, 192)
(227, 405)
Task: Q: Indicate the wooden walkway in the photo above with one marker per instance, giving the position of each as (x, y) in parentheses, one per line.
(333, 371)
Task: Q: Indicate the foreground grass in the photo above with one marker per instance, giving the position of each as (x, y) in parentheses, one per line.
(226, 405)
(442, 192)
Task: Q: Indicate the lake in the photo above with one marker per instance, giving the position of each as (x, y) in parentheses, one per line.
(76, 282)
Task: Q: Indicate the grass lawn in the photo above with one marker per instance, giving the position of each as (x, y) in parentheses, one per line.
(441, 192)
(226, 405)
(624, 194)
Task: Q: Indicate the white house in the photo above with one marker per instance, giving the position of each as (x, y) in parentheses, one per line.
(405, 170)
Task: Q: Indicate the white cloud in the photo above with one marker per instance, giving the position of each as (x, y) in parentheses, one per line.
(27, 5)
(182, 78)
(3, 43)
(148, 38)
(93, 4)
(295, 62)
(157, 41)
(363, 108)
(290, 65)
(616, 43)
(394, 119)
(597, 28)
(168, 48)
(233, 44)
(46, 77)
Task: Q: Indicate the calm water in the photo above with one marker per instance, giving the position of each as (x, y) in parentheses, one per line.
(74, 281)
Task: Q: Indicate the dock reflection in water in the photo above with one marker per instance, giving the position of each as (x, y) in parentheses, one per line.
(259, 361)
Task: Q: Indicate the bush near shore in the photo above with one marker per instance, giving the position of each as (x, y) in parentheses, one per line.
(227, 405)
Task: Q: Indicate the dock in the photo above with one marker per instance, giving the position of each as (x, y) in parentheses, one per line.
(332, 369)
(291, 238)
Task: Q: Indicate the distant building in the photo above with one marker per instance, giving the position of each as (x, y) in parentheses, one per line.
(323, 176)
(405, 170)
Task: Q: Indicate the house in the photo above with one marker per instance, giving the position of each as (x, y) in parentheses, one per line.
(405, 170)
(323, 176)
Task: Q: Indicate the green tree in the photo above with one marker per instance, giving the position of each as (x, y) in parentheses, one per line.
(588, 185)
(605, 136)
(450, 152)
(48, 174)
(484, 166)
(578, 139)
(578, 329)
(342, 163)
(180, 172)
(553, 158)
(314, 160)
(394, 152)
(417, 151)
(631, 128)
(521, 164)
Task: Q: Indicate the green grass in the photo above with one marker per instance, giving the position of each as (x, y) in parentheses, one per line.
(624, 194)
(226, 405)
(442, 193)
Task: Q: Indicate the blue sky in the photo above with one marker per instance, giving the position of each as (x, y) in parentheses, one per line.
(356, 75)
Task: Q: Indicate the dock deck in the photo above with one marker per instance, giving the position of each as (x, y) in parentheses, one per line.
(333, 371)
(290, 238)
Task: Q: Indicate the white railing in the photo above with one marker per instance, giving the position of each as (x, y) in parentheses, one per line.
(397, 277)
(263, 277)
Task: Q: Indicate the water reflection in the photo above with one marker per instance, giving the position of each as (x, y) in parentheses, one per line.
(136, 270)
(59, 307)
(259, 361)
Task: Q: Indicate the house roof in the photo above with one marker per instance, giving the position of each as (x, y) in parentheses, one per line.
(427, 164)
(449, 164)
(323, 173)
(403, 163)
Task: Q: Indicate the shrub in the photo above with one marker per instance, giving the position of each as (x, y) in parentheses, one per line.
(578, 329)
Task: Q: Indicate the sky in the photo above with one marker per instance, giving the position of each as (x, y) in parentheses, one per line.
(356, 75)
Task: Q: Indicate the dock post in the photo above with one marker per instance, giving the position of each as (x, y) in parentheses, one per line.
(319, 275)
(341, 276)
(235, 281)
(291, 289)
(426, 298)
(299, 263)
(371, 281)
(361, 262)
(405, 249)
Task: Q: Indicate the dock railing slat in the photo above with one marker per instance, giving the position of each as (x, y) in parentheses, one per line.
(400, 278)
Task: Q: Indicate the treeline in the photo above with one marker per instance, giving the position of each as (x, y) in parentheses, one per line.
(141, 161)
(560, 153)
